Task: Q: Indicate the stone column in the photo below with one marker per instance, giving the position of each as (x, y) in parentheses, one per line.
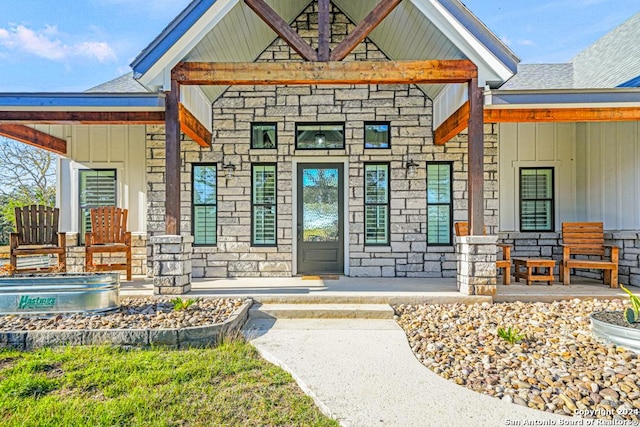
(171, 264)
(477, 265)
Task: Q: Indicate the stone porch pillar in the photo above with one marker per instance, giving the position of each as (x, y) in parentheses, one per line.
(171, 264)
(477, 265)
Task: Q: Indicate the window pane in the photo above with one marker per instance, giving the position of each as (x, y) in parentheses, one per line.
(438, 183)
(204, 185)
(97, 188)
(536, 199)
(376, 199)
(376, 224)
(204, 225)
(320, 136)
(438, 224)
(263, 135)
(376, 135)
(376, 183)
(263, 205)
(264, 225)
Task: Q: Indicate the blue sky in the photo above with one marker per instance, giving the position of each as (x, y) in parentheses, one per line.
(72, 45)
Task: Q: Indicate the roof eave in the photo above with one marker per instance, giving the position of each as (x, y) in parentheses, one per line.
(590, 97)
(97, 101)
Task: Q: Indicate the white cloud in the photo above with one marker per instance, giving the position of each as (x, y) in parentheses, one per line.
(47, 44)
(526, 42)
(506, 40)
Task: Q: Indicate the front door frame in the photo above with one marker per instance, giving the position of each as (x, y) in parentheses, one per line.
(344, 160)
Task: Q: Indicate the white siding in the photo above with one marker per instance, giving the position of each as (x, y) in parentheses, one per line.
(117, 147)
(536, 145)
(608, 174)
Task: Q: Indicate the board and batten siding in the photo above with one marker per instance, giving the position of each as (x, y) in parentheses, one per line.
(522, 145)
(608, 174)
(118, 147)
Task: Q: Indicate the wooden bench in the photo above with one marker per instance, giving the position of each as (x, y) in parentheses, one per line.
(108, 235)
(504, 264)
(37, 234)
(530, 270)
(587, 239)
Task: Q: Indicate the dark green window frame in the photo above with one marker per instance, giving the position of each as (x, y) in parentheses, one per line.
(204, 206)
(103, 193)
(264, 205)
(259, 134)
(439, 203)
(537, 199)
(377, 204)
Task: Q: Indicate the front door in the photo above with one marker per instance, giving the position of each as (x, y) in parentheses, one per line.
(320, 218)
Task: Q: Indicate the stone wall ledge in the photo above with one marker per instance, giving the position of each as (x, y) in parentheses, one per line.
(195, 336)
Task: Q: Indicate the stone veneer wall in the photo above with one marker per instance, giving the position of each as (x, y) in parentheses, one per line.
(547, 245)
(407, 109)
(76, 255)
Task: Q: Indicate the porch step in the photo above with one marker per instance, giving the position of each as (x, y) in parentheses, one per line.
(321, 311)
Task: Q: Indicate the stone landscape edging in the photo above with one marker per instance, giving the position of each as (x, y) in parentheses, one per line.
(194, 336)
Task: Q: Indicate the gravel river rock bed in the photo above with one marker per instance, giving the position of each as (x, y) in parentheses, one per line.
(559, 367)
(134, 313)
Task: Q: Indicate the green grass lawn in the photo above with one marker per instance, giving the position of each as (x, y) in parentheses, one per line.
(102, 386)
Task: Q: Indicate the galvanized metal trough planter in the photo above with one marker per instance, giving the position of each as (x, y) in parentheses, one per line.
(59, 293)
(624, 336)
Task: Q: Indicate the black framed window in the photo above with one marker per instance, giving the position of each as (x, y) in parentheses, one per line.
(439, 203)
(319, 136)
(204, 202)
(376, 203)
(377, 135)
(263, 204)
(536, 199)
(98, 187)
(264, 135)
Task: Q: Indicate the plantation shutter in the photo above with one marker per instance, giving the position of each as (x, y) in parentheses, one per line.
(97, 188)
(264, 204)
(536, 195)
(376, 192)
(439, 203)
(204, 201)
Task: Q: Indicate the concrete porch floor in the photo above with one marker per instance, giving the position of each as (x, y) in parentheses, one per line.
(377, 290)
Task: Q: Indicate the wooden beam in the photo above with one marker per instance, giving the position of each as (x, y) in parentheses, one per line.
(363, 29)
(172, 154)
(324, 30)
(593, 114)
(475, 183)
(83, 117)
(455, 124)
(34, 137)
(191, 126)
(311, 73)
(282, 29)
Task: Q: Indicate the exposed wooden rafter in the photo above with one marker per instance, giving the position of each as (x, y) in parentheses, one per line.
(34, 137)
(83, 117)
(303, 73)
(455, 124)
(363, 29)
(324, 30)
(589, 114)
(191, 126)
(282, 28)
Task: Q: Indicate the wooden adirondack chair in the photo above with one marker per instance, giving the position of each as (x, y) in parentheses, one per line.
(504, 264)
(108, 235)
(587, 238)
(37, 234)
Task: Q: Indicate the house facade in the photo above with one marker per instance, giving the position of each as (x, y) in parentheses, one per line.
(358, 178)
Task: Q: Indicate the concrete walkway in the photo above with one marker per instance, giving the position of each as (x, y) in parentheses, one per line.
(363, 373)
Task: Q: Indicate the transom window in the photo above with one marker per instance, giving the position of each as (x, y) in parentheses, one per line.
(97, 188)
(263, 204)
(439, 203)
(376, 135)
(536, 199)
(319, 136)
(205, 204)
(264, 135)
(376, 201)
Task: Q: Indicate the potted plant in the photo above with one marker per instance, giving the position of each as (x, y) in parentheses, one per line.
(619, 327)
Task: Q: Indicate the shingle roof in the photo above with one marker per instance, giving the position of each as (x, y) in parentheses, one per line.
(123, 84)
(541, 76)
